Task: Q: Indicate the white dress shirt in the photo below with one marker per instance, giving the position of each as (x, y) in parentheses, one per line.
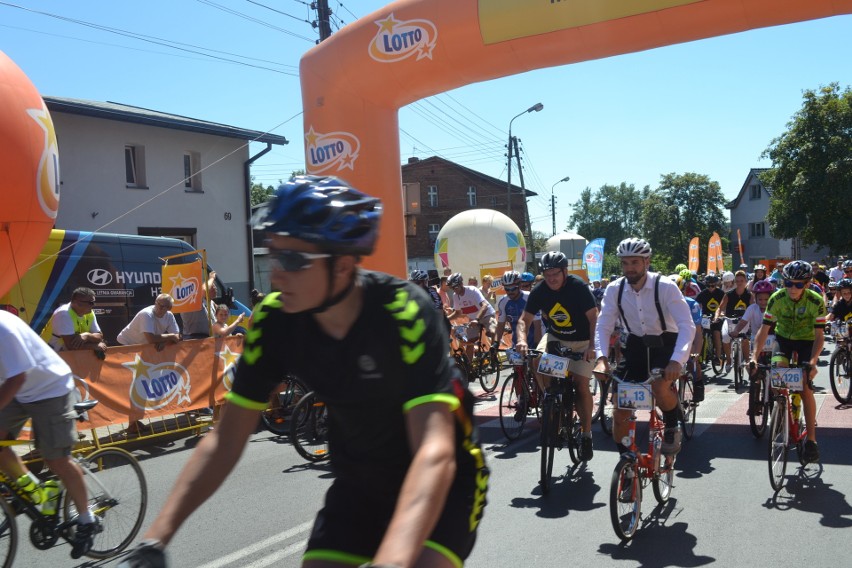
(642, 317)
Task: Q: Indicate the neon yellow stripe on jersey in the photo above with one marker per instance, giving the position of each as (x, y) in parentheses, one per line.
(450, 399)
(244, 402)
(443, 550)
(335, 556)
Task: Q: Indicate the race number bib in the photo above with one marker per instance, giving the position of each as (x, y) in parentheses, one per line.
(553, 365)
(514, 357)
(705, 322)
(770, 343)
(634, 397)
(791, 379)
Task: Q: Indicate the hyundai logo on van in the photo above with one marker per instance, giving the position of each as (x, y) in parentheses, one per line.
(155, 385)
(99, 277)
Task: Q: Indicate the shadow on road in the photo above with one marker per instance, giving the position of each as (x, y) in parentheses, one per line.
(806, 491)
(574, 490)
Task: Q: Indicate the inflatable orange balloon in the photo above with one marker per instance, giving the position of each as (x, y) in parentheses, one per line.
(29, 173)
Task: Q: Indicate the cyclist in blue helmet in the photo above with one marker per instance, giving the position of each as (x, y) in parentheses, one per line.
(410, 476)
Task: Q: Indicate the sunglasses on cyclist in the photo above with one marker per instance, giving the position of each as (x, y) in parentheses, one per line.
(511, 288)
(799, 285)
(293, 261)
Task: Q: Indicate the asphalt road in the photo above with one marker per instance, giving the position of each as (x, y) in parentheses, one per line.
(723, 510)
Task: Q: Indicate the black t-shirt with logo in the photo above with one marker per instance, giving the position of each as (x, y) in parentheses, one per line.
(737, 304)
(565, 309)
(710, 300)
(842, 311)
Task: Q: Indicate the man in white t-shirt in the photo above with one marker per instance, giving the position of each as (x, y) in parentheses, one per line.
(75, 326)
(35, 383)
(836, 273)
(469, 301)
(154, 324)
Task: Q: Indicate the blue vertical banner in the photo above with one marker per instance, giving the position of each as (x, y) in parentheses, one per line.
(593, 259)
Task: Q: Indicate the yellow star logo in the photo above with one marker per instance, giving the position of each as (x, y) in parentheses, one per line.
(228, 357)
(387, 24)
(312, 137)
(139, 367)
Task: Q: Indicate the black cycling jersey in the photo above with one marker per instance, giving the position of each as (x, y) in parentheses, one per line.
(710, 300)
(842, 310)
(737, 303)
(393, 358)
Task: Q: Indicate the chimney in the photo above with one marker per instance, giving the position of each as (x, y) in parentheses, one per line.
(413, 160)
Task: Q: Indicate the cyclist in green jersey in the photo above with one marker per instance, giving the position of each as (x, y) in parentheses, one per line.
(799, 317)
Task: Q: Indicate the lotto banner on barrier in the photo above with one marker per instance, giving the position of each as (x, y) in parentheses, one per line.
(693, 255)
(183, 283)
(593, 259)
(138, 381)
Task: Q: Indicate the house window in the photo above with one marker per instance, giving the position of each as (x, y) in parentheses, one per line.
(434, 229)
(756, 230)
(433, 195)
(134, 166)
(191, 171)
(754, 192)
(471, 196)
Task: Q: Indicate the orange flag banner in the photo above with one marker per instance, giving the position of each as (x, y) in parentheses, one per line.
(717, 248)
(137, 381)
(693, 255)
(183, 283)
(740, 241)
(711, 256)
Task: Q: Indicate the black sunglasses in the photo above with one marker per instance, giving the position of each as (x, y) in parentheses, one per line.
(89, 302)
(293, 261)
(799, 285)
(511, 288)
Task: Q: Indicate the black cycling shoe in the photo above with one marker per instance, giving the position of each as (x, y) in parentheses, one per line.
(697, 392)
(84, 534)
(810, 453)
(587, 452)
(147, 554)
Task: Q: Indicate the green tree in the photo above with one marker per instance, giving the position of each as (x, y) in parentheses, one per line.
(613, 212)
(260, 194)
(683, 206)
(811, 174)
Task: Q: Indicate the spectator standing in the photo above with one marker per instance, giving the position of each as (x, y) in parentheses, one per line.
(220, 326)
(196, 325)
(75, 325)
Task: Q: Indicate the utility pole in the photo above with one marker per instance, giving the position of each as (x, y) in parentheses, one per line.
(553, 210)
(527, 225)
(509, 169)
(323, 18)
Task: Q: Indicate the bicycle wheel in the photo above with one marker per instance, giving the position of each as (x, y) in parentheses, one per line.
(663, 477)
(276, 417)
(625, 498)
(598, 401)
(514, 406)
(118, 498)
(489, 370)
(574, 433)
(838, 372)
(549, 435)
(778, 439)
(715, 359)
(463, 369)
(309, 428)
(736, 358)
(688, 407)
(758, 411)
(8, 534)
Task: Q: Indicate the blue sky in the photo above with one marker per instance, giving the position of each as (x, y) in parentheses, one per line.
(710, 106)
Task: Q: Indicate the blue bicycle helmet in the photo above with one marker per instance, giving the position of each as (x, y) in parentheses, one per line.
(527, 277)
(797, 270)
(419, 276)
(325, 211)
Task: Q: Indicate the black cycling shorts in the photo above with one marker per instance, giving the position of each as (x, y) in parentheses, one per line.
(351, 525)
(785, 347)
(638, 358)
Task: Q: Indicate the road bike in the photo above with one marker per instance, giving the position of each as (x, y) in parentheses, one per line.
(282, 402)
(117, 498)
(686, 397)
(486, 363)
(520, 396)
(759, 390)
(787, 421)
(636, 469)
(560, 423)
(309, 428)
(708, 351)
(840, 365)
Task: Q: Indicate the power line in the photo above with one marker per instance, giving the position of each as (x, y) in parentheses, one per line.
(253, 19)
(278, 11)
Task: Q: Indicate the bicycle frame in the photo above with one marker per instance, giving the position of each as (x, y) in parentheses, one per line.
(646, 462)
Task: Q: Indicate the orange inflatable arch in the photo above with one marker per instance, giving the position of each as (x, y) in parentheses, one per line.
(354, 83)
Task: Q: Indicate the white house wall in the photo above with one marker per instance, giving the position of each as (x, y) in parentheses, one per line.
(94, 196)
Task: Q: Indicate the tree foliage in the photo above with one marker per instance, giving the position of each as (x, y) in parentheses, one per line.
(260, 194)
(612, 213)
(683, 206)
(811, 175)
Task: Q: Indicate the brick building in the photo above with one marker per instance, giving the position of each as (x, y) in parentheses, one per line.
(435, 190)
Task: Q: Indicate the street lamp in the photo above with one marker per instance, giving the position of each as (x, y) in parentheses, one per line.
(535, 108)
(553, 202)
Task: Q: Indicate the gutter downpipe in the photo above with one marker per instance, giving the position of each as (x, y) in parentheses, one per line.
(250, 240)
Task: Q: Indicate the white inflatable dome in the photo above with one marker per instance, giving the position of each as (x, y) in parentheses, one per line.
(553, 243)
(480, 240)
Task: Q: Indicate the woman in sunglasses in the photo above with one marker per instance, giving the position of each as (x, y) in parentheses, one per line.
(799, 316)
(410, 477)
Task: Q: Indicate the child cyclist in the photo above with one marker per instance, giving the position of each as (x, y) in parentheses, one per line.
(753, 317)
(409, 474)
